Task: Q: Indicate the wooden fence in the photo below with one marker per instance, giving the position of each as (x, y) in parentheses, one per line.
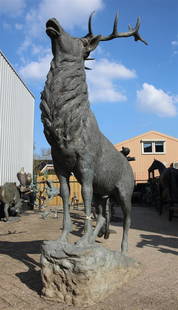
(75, 188)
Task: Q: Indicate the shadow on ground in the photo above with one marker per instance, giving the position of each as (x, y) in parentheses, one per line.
(20, 251)
(159, 242)
(148, 219)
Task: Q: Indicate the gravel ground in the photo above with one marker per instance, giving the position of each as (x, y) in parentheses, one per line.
(153, 241)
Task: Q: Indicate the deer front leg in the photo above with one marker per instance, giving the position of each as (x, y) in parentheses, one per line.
(65, 193)
(87, 194)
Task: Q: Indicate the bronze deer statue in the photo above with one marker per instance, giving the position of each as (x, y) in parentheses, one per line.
(77, 144)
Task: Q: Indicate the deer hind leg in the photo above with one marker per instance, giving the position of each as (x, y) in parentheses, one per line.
(125, 203)
(107, 216)
(65, 193)
(98, 231)
(103, 219)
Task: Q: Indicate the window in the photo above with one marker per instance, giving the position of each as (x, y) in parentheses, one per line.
(147, 147)
(153, 147)
(159, 147)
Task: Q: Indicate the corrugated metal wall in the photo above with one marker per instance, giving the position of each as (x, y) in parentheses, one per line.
(16, 124)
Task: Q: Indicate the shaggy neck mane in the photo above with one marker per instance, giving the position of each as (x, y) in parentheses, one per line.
(65, 104)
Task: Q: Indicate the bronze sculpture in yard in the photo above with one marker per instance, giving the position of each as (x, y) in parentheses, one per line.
(10, 199)
(25, 179)
(26, 188)
(164, 187)
(51, 190)
(77, 145)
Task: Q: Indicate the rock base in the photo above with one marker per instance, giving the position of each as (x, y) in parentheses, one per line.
(83, 276)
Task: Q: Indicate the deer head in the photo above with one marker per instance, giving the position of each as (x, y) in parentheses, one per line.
(66, 46)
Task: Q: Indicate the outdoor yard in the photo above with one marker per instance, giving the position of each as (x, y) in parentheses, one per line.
(153, 241)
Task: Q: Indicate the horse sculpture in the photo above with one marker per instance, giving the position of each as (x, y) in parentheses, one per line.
(156, 165)
(168, 184)
(77, 145)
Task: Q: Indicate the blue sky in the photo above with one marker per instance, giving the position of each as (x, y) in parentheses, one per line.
(132, 87)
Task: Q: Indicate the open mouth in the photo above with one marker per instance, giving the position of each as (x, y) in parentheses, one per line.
(52, 28)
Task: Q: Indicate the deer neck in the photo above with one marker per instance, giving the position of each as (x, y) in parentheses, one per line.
(67, 81)
(67, 98)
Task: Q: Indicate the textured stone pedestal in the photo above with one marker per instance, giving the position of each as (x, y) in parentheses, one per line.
(83, 276)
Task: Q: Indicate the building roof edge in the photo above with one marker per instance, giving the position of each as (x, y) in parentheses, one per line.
(16, 73)
(145, 133)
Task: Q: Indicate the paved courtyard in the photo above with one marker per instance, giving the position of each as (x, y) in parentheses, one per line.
(153, 241)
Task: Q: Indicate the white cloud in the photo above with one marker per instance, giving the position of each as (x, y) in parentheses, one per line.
(36, 70)
(174, 43)
(19, 26)
(38, 49)
(25, 45)
(12, 7)
(156, 101)
(102, 80)
(70, 14)
(7, 26)
(113, 69)
(175, 47)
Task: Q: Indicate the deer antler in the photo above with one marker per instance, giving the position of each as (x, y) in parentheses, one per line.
(90, 33)
(115, 34)
(132, 32)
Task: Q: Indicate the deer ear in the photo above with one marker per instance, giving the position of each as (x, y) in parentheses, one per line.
(93, 43)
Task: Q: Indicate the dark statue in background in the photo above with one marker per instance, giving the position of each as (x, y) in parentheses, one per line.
(13, 197)
(26, 188)
(51, 190)
(164, 188)
(126, 151)
(10, 201)
(25, 179)
(77, 144)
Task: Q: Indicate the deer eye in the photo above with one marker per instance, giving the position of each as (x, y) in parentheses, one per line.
(84, 41)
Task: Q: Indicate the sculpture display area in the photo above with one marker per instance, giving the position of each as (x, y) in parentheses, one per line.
(12, 197)
(85, 272)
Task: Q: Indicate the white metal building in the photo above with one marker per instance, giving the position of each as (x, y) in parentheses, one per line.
(16, 123)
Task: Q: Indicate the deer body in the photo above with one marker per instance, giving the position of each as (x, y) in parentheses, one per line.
(77, 145)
